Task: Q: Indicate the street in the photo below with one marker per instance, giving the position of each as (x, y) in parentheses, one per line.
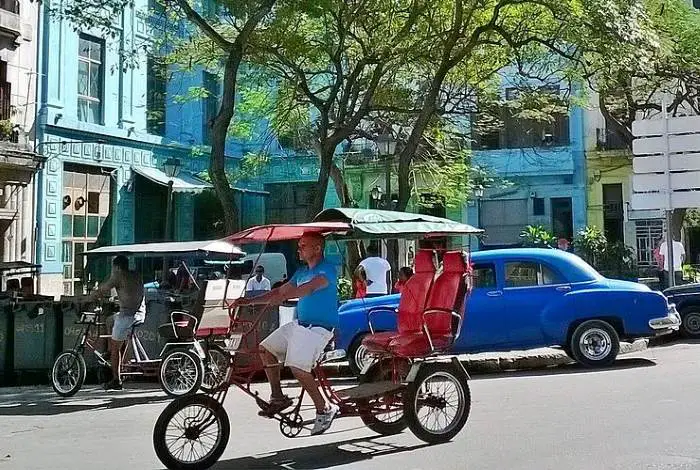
(642, 413)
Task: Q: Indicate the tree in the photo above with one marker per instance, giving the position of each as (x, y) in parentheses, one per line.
(664, 61)
(224, 33)
(330, 61)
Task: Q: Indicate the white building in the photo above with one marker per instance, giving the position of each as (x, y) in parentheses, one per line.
(18, 161)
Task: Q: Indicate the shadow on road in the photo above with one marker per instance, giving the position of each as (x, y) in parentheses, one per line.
(318, 457)
(44, 402)
(620, 364)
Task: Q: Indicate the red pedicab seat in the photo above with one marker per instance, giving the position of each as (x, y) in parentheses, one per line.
(411, 304)
(441, 320)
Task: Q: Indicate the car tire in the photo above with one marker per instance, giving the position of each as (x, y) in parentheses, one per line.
(357, 355)
(690, 322)
(595, 343)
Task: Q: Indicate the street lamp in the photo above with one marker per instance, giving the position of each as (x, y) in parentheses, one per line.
(171, 168)
(386, 146)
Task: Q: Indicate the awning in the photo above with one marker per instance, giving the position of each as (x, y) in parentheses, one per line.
(169, 249)
(183, 183)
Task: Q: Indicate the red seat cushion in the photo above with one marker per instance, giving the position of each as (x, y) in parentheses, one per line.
(417, 345)
(447, 294)
(378, 342)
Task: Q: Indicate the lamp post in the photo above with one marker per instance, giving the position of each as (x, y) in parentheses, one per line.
(171, 168)
(479, 195)
(386, 145)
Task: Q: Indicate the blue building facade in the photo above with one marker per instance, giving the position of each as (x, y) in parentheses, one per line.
(543, 170)
(103, 181)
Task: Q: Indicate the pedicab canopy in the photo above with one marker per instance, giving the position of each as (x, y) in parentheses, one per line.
(175, 249)
(354, 224)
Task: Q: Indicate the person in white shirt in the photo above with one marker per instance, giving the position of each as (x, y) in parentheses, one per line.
(678, 259)
(258, 282)
(378, 272)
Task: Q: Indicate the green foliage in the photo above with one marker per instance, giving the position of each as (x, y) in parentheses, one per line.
(6, 129)
(691, 273)
(589, 244)
(618, 261)
(248, 167)
(538, 237)
(344, 288)
(615, 260)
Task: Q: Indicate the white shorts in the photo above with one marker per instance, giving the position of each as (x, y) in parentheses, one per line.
(297, 346)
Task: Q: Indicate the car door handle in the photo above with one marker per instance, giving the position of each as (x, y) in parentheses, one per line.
(494, 293)
(564, 288)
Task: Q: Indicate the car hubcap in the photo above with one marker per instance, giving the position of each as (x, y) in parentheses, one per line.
(691, 323)
(595, 344)
(363, 357)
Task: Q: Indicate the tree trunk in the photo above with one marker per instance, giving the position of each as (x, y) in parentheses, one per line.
(326, 160)
(677, 219)
(219, 132)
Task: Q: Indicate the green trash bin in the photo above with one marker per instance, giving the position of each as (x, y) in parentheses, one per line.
(5, 312)
(34, 334)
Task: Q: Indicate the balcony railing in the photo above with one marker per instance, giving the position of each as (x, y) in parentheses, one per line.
(5, 97)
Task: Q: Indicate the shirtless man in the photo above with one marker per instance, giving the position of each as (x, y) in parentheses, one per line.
(129, 288)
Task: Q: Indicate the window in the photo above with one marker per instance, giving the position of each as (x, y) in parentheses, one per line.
(529, 274)
(696, 4)
(505, 129)
(90, 77)
(484, 276)
(86, 207)
(538, 206)
(648, 234)
(156, 88)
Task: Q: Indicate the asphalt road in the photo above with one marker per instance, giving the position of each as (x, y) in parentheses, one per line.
(644, 413)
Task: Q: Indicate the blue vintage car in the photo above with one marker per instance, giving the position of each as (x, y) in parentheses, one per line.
(527, 298)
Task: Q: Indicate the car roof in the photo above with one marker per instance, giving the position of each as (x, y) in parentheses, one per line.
(573, 267)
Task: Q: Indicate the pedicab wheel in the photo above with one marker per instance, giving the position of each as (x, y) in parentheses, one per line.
(181, 373)
(393, 421)
(191, 433)
(437, 403)
(292, 425)
(215, 368)
(68, 373)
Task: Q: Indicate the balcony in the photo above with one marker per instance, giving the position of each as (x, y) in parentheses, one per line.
(9, 18)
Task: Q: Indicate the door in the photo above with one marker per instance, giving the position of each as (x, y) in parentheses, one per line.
(562, 218)
(529, 287)
(482, 328)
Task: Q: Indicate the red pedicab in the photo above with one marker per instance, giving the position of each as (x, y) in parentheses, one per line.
(414, 382)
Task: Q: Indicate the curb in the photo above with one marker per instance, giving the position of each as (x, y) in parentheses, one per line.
(532, 359)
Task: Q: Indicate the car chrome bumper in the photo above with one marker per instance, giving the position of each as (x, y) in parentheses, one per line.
(670, 322)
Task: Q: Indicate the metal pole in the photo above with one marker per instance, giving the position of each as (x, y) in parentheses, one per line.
(669, 202)
(166, 238)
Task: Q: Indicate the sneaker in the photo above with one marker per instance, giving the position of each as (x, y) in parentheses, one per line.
(323, 420)
(114, 384)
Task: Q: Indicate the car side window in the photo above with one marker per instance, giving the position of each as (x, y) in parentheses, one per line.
(529, 274)
(484, 276)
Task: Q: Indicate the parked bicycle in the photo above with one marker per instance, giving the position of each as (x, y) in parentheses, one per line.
(179, 367)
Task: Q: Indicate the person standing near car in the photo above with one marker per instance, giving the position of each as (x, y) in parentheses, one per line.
(378, 272)
(129, 287)
(678, 259)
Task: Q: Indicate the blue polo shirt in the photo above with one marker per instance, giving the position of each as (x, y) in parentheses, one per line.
(319, 308)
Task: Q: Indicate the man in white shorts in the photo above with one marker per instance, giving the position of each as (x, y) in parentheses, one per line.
(299, 344)
(129, 287)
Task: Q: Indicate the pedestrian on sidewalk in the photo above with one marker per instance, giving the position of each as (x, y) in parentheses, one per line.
(678, 259)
